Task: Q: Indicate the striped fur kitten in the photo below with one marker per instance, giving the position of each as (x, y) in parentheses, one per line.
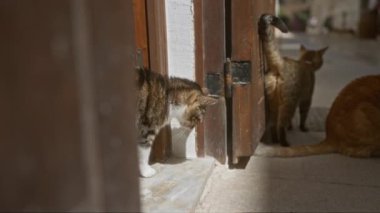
(352, 125)
(160, 100)
(288, 82)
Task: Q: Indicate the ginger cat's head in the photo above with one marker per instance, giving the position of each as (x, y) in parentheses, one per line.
(312, 58)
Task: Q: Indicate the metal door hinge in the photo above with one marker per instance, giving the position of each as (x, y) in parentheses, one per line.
(215, 84)
(236, 73)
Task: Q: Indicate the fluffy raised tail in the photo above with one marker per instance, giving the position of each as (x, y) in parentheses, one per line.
(266, 33)
(295, 151)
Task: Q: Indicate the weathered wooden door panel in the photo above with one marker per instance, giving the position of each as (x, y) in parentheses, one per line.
(210, 58)
(150, 22)
(229, 29)
(248, 109)
(67, 142)
(113, 62)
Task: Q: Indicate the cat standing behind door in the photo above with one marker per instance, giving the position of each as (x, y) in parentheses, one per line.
(161, 99)
(287, 81)
(313, 58)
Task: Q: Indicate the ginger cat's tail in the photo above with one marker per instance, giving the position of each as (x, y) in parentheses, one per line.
(296, 151)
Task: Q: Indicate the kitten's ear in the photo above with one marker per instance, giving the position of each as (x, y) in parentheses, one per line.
(207, 100)
(303, 48)
(322, 51)
(205, 91)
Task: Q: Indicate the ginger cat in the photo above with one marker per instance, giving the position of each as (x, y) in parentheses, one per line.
(352, 125)
(289, 83)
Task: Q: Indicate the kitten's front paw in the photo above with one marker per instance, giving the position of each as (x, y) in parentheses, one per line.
(147, 172)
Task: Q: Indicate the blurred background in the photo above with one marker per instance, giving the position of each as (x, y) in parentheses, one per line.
(358, 17)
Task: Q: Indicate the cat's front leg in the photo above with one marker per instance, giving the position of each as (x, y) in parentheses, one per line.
(145, 169)
(282, 136)
(144, 149)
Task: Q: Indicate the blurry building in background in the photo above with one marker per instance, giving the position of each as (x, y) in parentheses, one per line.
(334, 15)
(322, 16)
(295, 13)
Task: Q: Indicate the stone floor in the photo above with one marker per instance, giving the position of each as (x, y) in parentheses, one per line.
(328, 183)
(178, 185)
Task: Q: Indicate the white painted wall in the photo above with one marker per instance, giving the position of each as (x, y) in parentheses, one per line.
(181, 63)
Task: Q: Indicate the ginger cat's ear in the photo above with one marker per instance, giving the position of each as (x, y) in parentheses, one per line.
(207, 100)
(323, 50)
(303, 48)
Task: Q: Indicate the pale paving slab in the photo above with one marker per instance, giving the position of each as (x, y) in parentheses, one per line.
(255, 193)
(328, 183)
(177, 186)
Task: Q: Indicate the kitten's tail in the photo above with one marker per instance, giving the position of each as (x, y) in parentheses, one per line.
(266, 33)
(296, 151)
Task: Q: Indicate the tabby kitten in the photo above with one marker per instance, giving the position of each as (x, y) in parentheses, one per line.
(160, 100)
(289, 83)
(352, 125)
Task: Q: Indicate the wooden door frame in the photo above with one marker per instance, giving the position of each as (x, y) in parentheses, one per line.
(68, 139)
(210, 55)
(229, 29)
(248, 116)
(151, 40)
(106, 29)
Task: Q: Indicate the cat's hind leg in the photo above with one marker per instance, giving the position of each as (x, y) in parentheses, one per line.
(285, 115)
(304, 108)
(144, 148)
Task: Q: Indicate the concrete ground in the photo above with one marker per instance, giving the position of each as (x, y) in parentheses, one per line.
(178, 185)
(327, 183)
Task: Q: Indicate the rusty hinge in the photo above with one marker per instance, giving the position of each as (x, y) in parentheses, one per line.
(236, 73)
(215, 84)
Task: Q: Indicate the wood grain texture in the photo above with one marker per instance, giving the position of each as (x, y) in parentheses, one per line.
(245, 46)
(46, 81)
(158, 62)
(210, 58)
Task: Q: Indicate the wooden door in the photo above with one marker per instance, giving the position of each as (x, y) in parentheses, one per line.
(210, 50)
(67, 106)
(150, 33)
(247, 99)
(228, 29)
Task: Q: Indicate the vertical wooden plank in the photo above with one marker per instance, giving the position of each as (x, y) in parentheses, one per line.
(158, 62)
(210, 58)
(113, 59)
(67, 103)
(258, 97)
(242, 30)
(248, 114)
(199, 75)
(40, 149)
(141, 31)
(89, 137)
